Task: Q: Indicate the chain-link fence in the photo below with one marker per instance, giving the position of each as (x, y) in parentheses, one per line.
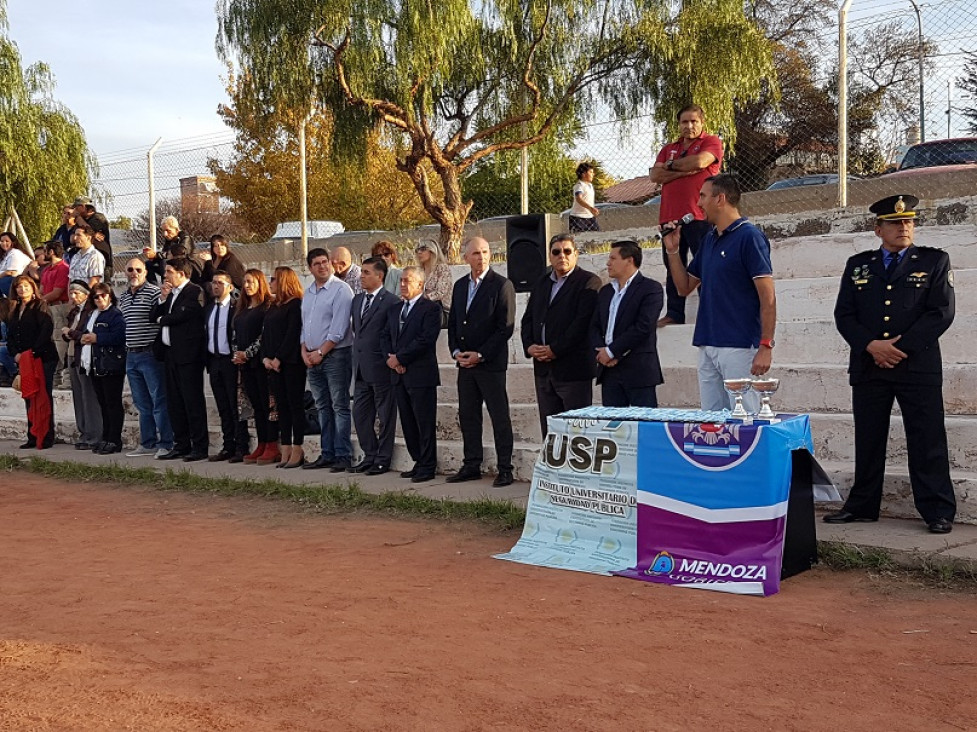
(912, 78)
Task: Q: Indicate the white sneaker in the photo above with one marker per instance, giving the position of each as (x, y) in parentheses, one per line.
(160, 453)
(142, 452)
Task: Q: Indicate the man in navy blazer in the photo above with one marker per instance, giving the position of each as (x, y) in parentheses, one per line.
(556, 332)
(223, 372)
(181, 341)
(410, 340)
(480, 324)
(624, 331)
(373, 394)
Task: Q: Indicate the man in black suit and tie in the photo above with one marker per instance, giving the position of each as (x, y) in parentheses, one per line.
(556, 332)
(410, 341)
(223, 371)
(373, 394)
(480, 324)
(182, 339)
(624, 331)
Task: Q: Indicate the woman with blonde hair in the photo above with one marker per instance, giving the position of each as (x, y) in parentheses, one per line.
(388, 251)
(249, 320)
(281, 350)
(437, 274)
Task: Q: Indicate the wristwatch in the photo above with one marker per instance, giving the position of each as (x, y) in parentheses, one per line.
(767, 342)
(670, 164)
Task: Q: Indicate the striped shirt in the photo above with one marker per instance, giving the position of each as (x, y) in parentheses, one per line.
(136, 307)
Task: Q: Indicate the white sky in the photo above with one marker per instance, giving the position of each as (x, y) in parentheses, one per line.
(130, 70)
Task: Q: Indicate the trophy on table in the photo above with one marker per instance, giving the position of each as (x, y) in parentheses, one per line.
(736, 388)
(766, 387)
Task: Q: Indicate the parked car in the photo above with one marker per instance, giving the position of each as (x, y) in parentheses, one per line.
(603, 206)
(818, 179)
(957, 153)
(315, 229)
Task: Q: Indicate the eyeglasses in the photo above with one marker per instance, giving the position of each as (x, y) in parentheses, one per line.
(558, 252)
(134, 269)
(101, 295)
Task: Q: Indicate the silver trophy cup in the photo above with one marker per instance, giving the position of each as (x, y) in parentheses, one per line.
(736, 388)
(766, 387)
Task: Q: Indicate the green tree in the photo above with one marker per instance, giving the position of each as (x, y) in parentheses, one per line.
(968, 82)
(261, 176)
(44, 158)
(458, 81)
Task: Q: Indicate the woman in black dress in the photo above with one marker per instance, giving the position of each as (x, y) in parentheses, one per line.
(281, 350)
(249, 319)
(29, 331)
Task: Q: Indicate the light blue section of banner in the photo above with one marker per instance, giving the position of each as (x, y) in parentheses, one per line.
(748, 471)
(582, 510)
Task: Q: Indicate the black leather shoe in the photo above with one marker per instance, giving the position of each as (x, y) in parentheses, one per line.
(173, 454)
(97, 446)
(363, 467)
(220, 457)
(941, 526)
(83, 446)
(503, 479)
(409, 473)
(378, 469)
(465, 474)
(318, 464)
(845, 517)
(421, 477)
(28, 445)
(109, 447)
(194, 457)
(340, 465)
(236, 458)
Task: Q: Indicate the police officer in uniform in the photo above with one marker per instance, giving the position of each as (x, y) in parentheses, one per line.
(894, 304)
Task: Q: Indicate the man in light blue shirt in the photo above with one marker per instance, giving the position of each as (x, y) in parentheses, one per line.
(326, 341)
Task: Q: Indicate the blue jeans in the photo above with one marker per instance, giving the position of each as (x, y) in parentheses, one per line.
(5, 283)
(148, 386)
(329, 382)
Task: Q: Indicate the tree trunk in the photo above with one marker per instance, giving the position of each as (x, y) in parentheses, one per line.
(450, 211)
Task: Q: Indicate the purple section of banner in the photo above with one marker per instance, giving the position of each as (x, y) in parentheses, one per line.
(678, 550)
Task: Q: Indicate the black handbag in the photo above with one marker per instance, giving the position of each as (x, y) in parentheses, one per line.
(109, 361)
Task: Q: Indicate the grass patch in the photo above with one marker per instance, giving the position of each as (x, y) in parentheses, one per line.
(502, 515)
(941, 572)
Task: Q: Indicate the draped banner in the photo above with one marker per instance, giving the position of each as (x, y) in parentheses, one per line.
(712, 503)
(694, 504)
(582, 512)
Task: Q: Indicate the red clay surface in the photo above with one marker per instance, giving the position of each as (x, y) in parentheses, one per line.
(126, 608)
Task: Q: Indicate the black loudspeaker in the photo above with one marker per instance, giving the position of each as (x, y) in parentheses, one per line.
(527, 239)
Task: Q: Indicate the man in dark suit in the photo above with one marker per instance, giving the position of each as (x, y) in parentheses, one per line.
(181, 342)
(893, 306)
(223, 372)
(410, 341)
(556, 332)
(624, 331)
(480, 324)
(373, 394)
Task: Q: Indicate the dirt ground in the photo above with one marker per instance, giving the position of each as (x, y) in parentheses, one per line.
(124, 608)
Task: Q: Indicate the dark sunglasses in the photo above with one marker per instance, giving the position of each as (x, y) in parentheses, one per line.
(134, 269)
(100, 295)
(558, 252)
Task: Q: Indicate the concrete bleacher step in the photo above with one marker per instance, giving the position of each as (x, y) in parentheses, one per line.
(897, 496)
(825, 255)
(814, 342)
(834, 440)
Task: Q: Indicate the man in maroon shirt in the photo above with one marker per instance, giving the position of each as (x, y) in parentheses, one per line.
(681, 168)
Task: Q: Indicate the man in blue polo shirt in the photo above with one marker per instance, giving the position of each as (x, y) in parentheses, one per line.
(737, 302)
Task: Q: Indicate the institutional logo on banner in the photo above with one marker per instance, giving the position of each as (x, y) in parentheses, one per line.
(582, 511)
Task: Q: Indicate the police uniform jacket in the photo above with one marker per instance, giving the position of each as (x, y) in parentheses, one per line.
(916, 303)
